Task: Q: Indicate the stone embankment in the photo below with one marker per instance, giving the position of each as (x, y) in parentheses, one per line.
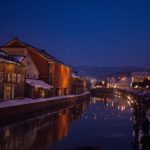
(20, 108)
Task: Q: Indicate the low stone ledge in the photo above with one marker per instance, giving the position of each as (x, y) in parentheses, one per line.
(19, 109)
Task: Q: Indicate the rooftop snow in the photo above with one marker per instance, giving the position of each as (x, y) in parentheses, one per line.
(19, 58)
(8, 58)
(38, 84)
(2, 53)
(75, 76)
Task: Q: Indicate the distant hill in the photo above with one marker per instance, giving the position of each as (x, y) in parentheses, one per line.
(103, 72)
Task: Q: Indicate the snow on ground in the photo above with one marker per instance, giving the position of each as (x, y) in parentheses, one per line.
(10, 103)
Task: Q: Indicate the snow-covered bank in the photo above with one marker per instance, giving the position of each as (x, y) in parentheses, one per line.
(11, 103)
(11, 110)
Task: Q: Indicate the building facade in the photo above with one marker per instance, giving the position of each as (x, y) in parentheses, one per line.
(77, 84)
(140, 80)
(140, 76)
(12, 77)
(42, 66)
(121, 82)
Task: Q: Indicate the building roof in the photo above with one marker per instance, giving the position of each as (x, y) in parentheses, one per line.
(38, 84)
(8, 58)
(15, 42)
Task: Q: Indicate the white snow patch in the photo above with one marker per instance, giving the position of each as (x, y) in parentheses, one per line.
(19, 58)
(11, 103)
(8, 61)
(38, 84)
(3, 53)
(75, 76)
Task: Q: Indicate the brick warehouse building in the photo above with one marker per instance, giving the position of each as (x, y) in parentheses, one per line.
(41, 66)
(12, 77)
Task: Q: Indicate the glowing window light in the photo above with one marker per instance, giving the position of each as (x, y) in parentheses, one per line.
(136, 87)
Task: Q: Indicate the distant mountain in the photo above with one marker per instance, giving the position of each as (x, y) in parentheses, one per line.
(103, 72)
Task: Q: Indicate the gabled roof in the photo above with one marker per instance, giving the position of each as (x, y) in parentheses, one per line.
(18, 43)
(6, 57)
(15, 43)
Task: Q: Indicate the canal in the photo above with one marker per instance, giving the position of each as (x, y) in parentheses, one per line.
(101, 122)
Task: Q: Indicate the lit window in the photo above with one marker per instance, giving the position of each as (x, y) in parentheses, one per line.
(1, 76)
(18, 78)
(42, 93)
(12, 77)
(9, 77)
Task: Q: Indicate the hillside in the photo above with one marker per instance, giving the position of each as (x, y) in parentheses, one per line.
(103, 72)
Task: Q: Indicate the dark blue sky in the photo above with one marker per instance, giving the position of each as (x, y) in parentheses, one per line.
(82, 32)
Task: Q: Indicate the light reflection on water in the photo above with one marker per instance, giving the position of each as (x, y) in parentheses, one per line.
(104, 122)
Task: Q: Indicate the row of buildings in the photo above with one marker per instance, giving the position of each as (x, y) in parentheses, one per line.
(136, 80)
(26, 71)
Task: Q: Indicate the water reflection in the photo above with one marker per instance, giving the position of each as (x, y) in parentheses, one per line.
(104, 122)
(114, 105)
(37, 133)
(105, 125)
(141, 124)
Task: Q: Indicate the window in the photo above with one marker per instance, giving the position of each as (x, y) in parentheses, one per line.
(42, 93)
(9, 77)
(12, 77)
(50, 67)
(18, 78)
(1, 76)
(50, 78)
(22, 78)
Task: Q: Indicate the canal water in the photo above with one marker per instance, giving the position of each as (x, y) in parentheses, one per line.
(102, 122)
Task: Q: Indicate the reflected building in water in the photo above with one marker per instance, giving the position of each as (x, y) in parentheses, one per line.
(141, 130)
(40, 132)
(45, 131)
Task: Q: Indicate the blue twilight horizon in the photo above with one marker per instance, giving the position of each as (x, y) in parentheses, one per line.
(82, 32)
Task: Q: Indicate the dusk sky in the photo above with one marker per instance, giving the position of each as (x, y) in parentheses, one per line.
(82, 32)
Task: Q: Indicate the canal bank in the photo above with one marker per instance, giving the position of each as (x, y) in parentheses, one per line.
(19, 109)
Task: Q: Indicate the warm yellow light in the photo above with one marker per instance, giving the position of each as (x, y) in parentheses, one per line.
(103, 82)
(115, 86)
